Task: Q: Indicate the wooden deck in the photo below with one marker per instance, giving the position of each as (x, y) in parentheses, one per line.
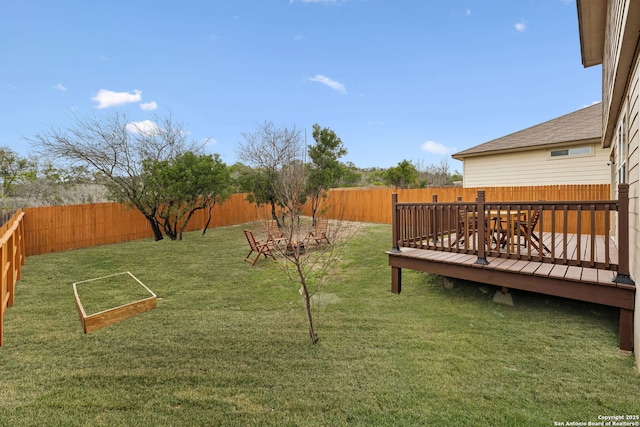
(581, 266)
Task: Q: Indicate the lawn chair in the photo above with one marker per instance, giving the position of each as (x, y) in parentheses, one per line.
(260, 248)
(275, 236)
(319, 233)
(467, 226)
(525, 228)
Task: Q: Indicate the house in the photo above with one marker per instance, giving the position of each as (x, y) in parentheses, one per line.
(609, 36)
(565, 150)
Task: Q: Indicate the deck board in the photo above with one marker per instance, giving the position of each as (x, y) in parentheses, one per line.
(558, 271)
(530, 268)
(505, 264)
(574, 273)
(543, 270)
(590, 275)
(605, 277)
(519, 265)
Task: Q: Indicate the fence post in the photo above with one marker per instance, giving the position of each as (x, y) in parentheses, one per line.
(623, 236)
(395, 224)
(482, 257)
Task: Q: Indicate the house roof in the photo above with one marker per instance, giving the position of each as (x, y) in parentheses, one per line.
(581, 125)
(592, 21)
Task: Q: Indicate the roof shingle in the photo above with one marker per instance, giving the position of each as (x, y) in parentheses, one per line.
(584, 124)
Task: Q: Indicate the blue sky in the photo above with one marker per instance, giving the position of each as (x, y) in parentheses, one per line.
(404, 79)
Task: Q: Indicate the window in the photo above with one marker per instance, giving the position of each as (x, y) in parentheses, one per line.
(574, 151)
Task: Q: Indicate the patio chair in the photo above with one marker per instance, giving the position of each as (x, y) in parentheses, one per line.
(525, 228)
(319, 233)
(259, 248)
(467, 227)
(275, 236)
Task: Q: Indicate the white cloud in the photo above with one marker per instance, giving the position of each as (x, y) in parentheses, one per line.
(521, 26)
(434, 148)
(316, 1)
(149, 106)
(209, 141)
(106, 98)
(329, 83)
(59, 87)
(145, 127)
(467, 12)
(298, 37)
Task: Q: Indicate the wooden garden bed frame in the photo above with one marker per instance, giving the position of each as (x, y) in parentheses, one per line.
(108, 317)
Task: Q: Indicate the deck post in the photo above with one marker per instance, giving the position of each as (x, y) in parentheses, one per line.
(396, 280)
(395, 224)
(623, 236)
(625, 330)
(482, 257)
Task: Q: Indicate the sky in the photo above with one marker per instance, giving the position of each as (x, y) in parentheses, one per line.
(396, 80)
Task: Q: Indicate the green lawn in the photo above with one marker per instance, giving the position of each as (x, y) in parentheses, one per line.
(228, 344)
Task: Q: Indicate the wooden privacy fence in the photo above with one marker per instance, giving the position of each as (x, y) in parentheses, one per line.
(372, 204)
(60, 228)
(12, 254)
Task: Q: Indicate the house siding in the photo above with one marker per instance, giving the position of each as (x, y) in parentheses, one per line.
(535, 167)
(632, 101)
(621, 95)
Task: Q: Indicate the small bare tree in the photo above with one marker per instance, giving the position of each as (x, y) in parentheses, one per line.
(310, 267)
(268, 150)
(434, 175)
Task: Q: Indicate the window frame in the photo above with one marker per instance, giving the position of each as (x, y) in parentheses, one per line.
(569, 154)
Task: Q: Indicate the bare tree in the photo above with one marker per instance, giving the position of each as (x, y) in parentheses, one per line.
(434, 175)
(268, 150)
(115, 149)
(306, 264)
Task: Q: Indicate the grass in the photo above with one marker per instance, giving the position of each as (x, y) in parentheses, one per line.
(228, 345)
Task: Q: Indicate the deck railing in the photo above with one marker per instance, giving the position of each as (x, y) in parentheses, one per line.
(572, 233)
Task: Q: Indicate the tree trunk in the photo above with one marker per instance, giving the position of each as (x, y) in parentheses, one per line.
(155, 227)
(206, 225)
(315, 204)
(274, 214)
(307, 301)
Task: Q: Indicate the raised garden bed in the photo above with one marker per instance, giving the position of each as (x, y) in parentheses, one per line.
(103, 301)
